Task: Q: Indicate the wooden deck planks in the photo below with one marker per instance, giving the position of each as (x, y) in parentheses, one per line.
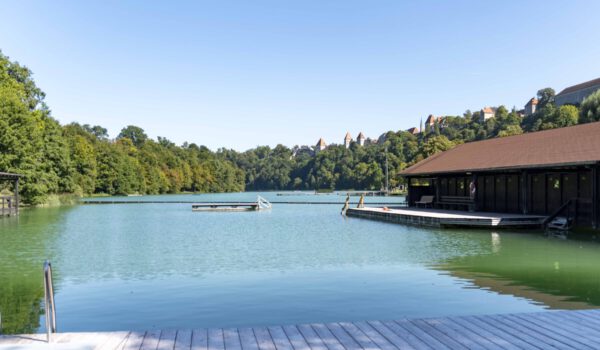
(343, 337)
(296, 338)
(465, 340)
(311, 337)
(534, 340)
(232, 339)
(556, 330)
(263, 338)
(134, 341)
(199, 339)
(328, 338)
(493, 333)
(183, 340)
(280, 338)
(400, 337)
(562, 332)
(248, 339)
(151, 340)
(379, 339)
(361, 337)
(167, 340)
(216, 341)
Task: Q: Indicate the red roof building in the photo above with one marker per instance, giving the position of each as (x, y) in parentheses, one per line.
(539, 173)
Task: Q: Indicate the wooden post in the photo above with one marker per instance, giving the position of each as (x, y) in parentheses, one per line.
(476, 196)
(408, 194)
(437, 191)
(524, 192)
(17, 196)
(595, 197)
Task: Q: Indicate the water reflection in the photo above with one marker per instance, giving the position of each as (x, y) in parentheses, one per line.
(24, 243)
(558, 273)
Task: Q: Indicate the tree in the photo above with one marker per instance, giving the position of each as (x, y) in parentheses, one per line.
(510, 130)
(545, 96)
(590, 108)
(565, 115)
(436, 144)
(135, 134)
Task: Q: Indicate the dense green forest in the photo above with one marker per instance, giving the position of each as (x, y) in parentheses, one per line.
(83, 159)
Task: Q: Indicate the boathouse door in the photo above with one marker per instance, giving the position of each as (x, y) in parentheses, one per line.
(512, 193)
(538, 194)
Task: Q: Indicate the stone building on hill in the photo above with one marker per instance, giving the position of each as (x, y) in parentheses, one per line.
(361, 139)
(487, 113)
(321, 145)
(347, 140)
(530, 107)
(574, 95)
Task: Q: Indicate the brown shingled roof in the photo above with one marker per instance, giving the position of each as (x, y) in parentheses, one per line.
(579, 144)
(585, 85)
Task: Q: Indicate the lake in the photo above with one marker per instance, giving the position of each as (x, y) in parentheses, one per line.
(145, 266)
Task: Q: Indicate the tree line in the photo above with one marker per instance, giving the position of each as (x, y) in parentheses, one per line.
(84, 160)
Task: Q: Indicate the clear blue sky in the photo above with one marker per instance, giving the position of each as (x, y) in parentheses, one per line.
(238, 74)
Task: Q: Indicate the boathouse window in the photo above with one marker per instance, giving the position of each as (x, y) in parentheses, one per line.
(420, 182)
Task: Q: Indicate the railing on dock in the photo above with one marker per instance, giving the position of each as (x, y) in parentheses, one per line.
(8, 205)
(263, 203)
(50, 308)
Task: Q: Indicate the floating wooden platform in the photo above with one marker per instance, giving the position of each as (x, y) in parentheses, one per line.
(536, 331)
(260, 204)
(241, 206)
(443, 218)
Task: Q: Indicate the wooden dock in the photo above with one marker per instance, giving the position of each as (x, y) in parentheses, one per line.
(260, 204)
(9, 205)
(445, 218)
(231, 206)
(535, 331)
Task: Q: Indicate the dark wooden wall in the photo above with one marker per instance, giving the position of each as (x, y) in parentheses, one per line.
(529, 192)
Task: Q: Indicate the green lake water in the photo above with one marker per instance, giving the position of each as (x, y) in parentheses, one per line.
(145, 266)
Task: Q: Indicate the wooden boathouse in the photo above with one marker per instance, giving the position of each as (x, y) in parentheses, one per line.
(9, 205)
(547, 173)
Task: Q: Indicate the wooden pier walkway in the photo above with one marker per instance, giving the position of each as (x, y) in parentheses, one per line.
(535, 331)
(444, 218)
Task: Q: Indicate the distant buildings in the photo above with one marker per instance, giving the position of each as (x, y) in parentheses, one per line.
(302, 150)
(574, 95)
(361, 139)
(321, 145)
(530, 107)
(431, 121)
(487, 113)
(413, 131)
(347, 140)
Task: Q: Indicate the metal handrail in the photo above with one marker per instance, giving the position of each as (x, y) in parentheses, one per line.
(557, 212)
(263, 203)
(49, 300)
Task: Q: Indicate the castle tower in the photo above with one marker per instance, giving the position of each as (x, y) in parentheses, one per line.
(321, 145)
(361, 139)
(347, 140)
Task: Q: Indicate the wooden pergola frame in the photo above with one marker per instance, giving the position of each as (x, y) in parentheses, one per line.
(9, 205)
